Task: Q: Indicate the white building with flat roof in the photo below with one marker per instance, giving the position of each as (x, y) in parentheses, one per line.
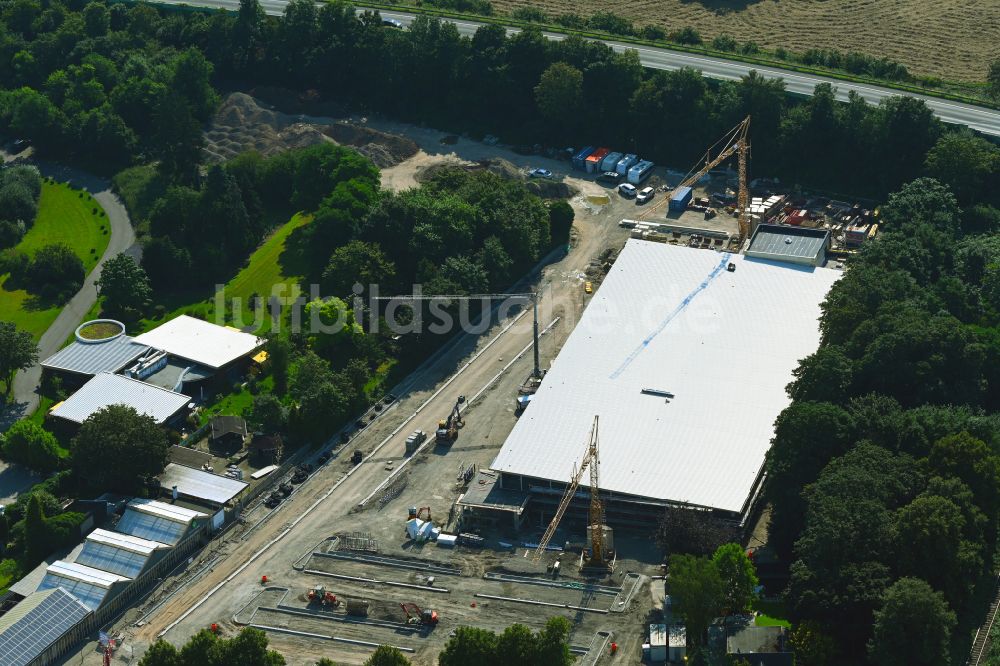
(201, 342)
(684, 354)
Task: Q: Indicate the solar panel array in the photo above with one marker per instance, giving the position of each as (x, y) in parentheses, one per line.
(28, 637)
(91, 595)
(151, 527)
(108, 558)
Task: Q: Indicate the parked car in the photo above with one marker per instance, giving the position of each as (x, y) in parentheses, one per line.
(540, 173)
(610, 178)
(627, 190)
(18, 145)
(588, 287)
(273, 500)
(645, 194)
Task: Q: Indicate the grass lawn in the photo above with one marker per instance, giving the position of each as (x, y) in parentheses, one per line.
(235, 404)
(270, 265)
(64, 216)
(771, 614)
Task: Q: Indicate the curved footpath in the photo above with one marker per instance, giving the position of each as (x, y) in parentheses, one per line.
(25, 397)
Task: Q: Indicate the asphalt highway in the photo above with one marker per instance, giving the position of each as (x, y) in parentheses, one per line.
(978, 118)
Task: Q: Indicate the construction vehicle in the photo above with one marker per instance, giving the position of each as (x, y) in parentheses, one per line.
(598, 555)
(447, 431)
(737, 142)
(417, 615)
(320, 595)
(414, 512)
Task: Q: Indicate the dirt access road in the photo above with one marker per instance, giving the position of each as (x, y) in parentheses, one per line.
(315, 510)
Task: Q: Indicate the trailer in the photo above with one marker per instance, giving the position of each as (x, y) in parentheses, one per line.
(640, 172)
(580, 159)
(680, 199)
(626, 163)
(610, 162)
(594, 160)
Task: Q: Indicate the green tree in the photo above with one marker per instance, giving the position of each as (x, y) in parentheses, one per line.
(161, 653)
(267, 414)
(553, 643)
(469, 645)
(247, 648)
(560, 220)
(36, 535)
(28, 443)
(559, 94)
(357, 262)
(811, 645)
(96, 19)
(913, 627)
(964, 163)
(18, 351)
(124, 285)
(697, 591)
(56, 272)
(279, 353)
(387, 655)
(993, 78)
(4, 533)
(739, 578)
(136, 444)
(177, 139)
(18, 203)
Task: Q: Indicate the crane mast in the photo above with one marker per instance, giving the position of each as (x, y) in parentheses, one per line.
(737, 142)
(591, 460)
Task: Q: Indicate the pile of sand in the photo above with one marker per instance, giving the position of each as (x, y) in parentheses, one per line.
(242, 123)
(547, 189)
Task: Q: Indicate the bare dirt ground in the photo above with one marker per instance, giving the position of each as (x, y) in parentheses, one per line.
(955, 39)
(245, 123)
(225, 577)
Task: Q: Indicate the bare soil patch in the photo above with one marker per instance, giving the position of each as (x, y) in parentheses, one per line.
(955, 40)
(246, 123)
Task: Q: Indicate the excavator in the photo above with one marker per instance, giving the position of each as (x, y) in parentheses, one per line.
(417, 615)
(447, 431)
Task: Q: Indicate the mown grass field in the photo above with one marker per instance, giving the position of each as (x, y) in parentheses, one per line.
(65, 216)
(954, 39)
(272, 268)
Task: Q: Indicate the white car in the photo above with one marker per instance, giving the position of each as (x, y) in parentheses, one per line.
(627, 190)
(645, 194)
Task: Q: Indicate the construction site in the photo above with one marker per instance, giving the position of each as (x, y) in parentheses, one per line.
(519, 474)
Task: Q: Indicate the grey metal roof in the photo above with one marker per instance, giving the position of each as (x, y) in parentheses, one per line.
(107, 389)
(29, 583)
(91, 358)
(118, 553)
(776, 241)
(157, 521)
(30, 627)
(87, 584)
(200, 485)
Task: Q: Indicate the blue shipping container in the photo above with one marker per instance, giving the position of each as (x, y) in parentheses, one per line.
(580, 159)
(680, 199)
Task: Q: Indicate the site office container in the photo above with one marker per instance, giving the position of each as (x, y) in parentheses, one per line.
(594, 160)
(626, 163)
(610, 163)
(680, 199)
(579, 160)
(640, 172)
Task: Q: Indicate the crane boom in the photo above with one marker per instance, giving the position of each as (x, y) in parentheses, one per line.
(589, 457)
(736, 142)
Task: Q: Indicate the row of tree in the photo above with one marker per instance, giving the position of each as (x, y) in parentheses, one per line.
(884, 474)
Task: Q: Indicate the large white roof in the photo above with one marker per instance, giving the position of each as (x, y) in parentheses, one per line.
(200, 341)
(674, 319)
(107, 389)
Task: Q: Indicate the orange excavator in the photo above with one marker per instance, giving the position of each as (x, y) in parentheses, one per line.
(322, 596)
(417, 615)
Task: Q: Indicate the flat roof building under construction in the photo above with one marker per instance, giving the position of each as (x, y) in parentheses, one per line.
(684, 354)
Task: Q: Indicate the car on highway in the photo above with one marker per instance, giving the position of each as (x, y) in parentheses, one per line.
(392, 23)
(627, 190)
(540, 173)
(645, 194)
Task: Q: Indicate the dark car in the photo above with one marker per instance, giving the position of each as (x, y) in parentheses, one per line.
(610, 178)
(18, 145)
(299, 476)
(285, 489)
(392, 23)
(273, 500)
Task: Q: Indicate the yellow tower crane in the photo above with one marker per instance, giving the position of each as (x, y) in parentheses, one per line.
(591, 459)
(735, 141)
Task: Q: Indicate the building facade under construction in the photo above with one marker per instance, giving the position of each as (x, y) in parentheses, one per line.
(684, 355)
